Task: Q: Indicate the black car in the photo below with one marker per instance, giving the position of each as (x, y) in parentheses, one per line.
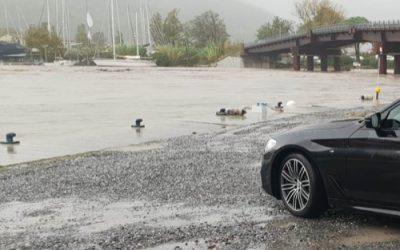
(344, 163)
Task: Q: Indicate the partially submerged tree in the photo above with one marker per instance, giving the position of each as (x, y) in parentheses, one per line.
(208, 28)
(119, 38)
(316, 13)
(157, 29)
(50, 45)
(81, 35)
(200, 41)
(277, 26)
(173, 28)
(99, 39)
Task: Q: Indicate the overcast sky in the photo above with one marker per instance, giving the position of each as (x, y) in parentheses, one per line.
(372, 9)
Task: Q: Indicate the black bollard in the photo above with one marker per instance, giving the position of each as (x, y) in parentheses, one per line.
(138, 124)
(222, 112)
(10, 139)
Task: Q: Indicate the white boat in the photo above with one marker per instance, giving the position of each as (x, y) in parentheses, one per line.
(127, 61)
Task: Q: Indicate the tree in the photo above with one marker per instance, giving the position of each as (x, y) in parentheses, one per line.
(208, 28)
(81, 35)
(173, 28)
(157, 29)
(316, 13)
(277, 27)
(14, 36)
(354, 21)
(99, 39)
(119, 38)
(50, 45)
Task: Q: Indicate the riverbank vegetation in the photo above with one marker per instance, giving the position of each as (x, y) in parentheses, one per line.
(201, 41)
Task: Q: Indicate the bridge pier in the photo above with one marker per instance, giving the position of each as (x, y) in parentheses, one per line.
(397, 64)
(273, 61)
(337, 64)
(324, 62)
(383, 64)
(296, 62)
(310, 63)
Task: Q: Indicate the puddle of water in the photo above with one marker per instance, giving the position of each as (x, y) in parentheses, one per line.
(96, 216)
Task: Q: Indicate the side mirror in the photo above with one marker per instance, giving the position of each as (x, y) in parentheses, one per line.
(374, 121)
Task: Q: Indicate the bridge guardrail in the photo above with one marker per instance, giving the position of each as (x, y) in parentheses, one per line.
(386, 25)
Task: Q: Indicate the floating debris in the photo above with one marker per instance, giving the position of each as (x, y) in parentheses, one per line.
(85, 62)
(367, 98)
(279, 107)
(231, 112)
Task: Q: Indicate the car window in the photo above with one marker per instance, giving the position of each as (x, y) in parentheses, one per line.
(393, 119)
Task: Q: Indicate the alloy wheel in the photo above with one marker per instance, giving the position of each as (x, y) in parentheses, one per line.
(295, 184)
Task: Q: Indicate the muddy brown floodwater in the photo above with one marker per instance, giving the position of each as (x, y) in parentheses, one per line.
(57, 111)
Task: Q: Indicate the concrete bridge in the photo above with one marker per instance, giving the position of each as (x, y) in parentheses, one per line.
(326, 42)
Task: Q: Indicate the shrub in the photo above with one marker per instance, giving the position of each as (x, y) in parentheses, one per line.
(169, 56)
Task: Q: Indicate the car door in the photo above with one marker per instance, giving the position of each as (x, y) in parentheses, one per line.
(373, 164)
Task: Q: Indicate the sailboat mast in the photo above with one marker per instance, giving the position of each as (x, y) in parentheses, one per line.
(6, 19)
(143, 23)
(57, 14)
(132, 33)
(118, 22)
(113, 28)
(48, 17)
(68, 26)
(148, 24)
(137, 35)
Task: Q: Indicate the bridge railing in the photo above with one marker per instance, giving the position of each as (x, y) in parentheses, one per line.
(372, 26)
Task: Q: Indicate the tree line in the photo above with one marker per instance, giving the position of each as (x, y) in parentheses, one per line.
(311, 14)
(203, 40)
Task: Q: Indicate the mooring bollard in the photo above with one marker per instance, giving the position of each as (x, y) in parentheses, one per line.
(138, 124)
(10, 139)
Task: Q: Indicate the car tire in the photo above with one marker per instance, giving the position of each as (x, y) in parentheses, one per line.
(301, 187)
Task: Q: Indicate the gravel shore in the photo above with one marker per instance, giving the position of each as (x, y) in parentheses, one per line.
(199, 191)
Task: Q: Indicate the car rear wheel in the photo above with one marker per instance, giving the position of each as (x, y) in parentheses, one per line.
(301, 188)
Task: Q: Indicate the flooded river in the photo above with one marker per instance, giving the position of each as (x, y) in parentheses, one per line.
(57, 111)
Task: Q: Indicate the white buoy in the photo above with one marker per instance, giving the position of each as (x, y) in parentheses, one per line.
(290, 104)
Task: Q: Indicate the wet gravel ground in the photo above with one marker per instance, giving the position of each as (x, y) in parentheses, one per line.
(191, 192)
